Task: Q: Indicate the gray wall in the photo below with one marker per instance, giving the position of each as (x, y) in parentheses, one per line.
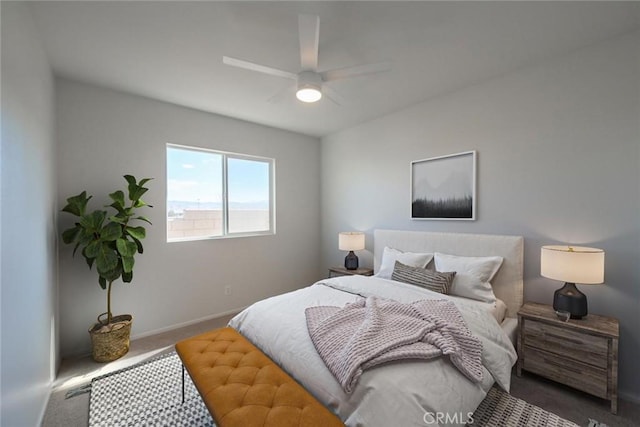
(558, 162)
(103, 135)
(28, 220)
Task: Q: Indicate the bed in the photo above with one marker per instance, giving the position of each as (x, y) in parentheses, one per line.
(410, 392)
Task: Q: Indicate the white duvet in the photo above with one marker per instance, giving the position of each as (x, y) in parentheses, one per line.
(407, 393)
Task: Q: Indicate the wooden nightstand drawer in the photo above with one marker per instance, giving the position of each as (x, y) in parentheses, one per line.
(579, 353)
(567, 343)
(575, 374)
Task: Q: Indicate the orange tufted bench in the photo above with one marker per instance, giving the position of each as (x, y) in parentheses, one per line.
(241, 386)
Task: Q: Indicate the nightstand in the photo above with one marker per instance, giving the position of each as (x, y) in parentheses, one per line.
(341, 271)
(582, 354)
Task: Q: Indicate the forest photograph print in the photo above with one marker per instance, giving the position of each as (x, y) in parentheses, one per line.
(444, 187)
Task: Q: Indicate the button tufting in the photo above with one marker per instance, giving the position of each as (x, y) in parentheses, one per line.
(241, 386)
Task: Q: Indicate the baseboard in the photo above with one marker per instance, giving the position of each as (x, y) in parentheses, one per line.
(188, 323)
(43, 410)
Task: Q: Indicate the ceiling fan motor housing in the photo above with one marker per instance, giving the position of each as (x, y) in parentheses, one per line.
(309, 80)
(309, 86)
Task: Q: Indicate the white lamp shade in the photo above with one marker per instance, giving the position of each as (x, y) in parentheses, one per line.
(351, 241)
(572, 264)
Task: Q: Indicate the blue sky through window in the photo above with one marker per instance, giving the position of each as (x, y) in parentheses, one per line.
(196, 177)
(248, 181)
(198, 182)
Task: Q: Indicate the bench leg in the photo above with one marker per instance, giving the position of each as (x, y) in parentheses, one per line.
(182, 384)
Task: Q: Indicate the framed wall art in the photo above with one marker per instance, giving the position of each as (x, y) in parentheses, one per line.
(444, 188)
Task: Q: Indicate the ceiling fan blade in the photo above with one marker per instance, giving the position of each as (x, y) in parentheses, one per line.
(332, 95)
(309, 33)
(358, 70)
(285, 92)
(257, 67)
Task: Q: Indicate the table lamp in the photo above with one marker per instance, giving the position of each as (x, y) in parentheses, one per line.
(351, 241)
(572, 264)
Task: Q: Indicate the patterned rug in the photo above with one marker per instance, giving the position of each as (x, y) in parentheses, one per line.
(150, 394)
(147, 394)
(502, 409)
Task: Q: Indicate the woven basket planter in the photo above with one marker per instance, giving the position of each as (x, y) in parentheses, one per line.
(112, 344)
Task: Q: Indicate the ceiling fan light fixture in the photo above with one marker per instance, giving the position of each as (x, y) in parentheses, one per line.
(311, 82)
(309, 86)
(309, 94)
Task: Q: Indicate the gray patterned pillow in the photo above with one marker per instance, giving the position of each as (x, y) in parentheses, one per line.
(432, 280)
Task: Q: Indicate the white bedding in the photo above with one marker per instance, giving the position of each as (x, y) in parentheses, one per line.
(406, 393)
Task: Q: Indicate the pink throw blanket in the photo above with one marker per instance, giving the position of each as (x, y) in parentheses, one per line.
(375, 331)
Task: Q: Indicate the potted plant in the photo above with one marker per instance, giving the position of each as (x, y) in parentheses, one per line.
(109, 242)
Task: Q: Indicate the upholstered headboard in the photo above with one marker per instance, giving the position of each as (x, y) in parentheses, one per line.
(507, 283)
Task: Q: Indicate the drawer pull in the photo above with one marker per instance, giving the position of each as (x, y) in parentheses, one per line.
(560, 365)
(574, 341)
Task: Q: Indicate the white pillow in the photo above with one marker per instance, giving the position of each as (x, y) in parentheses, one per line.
(473, 275)
(390, 256)
(500, 310)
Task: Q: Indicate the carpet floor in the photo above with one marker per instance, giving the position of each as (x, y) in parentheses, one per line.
(74, 412)
(150, 394)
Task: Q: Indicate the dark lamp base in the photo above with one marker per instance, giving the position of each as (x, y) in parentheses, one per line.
(570, 299)
(351, 261)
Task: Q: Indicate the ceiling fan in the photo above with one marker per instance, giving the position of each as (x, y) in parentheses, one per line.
(311, 83)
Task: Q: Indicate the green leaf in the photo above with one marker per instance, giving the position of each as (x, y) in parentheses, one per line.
(138, 244)
(86, 236)
(118, 198)
(138, 233)
(76, 205)
(89, 261)
(89, 258)
(92, 250)
(111, 232)
(112, 275)
(127, 264)
(117, 219)
(93, 222)
(143, 181)
(106, 260)
(143, 218)
(136, 192)
(126, 248)
(118, 207)
(70, 235)
(103, 282)
(127, 277)
(130, 179)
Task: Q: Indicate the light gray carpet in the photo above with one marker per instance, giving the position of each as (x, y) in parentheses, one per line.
(74, 412)
(572, 404)
(150, 393)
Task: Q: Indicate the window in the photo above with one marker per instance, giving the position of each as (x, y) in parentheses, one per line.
(217, 194)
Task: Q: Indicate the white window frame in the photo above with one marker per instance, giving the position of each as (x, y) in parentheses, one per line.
(226, 155)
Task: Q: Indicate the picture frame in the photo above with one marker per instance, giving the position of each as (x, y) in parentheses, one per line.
(444, 187)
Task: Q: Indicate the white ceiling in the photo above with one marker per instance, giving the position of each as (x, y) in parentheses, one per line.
(172, 51)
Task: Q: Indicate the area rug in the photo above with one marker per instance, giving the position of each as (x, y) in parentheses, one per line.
(502, 409)
(150, 394)
(147, 394)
